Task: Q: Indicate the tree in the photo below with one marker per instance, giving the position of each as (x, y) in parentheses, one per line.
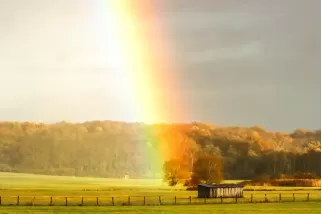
(207, 169)
(113, 149)
(174, 170)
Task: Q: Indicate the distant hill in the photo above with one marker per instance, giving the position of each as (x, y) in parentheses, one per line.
(115, 149)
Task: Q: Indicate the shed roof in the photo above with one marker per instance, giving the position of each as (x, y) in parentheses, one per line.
(221, 185)
(206, 185)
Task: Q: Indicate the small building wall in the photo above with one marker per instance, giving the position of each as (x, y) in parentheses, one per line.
(203, 192)
(227, 192)
(217, 191)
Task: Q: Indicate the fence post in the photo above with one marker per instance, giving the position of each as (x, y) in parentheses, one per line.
(82, 200)
(113, 201)
(0, 200)
(33, 201)
(265, 198)
(160, 200)
(143, 200)
(175, 199)
(251, 198)
(220, 199)
(18, 201)
(66, 203)
(236, 199)
(308, 196)
(293, 197)
(280, 197)
(129, 201)
(190, 199)
(205, 200)
(51, 201)
(97, 201)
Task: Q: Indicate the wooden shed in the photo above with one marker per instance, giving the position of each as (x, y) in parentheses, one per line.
(220, 190)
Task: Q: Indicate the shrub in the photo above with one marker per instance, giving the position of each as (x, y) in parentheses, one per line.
(5, 168)
(305, 175)
(64, 171)
(187, 183)
(172, 182)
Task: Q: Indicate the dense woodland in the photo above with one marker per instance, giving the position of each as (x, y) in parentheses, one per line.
(115, 149)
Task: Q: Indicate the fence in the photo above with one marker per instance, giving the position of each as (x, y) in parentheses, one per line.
(149, 200)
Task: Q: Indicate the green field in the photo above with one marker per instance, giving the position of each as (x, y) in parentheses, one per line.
(38, 190)
(294, 208)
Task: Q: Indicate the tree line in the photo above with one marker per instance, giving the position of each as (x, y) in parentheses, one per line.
(114, 149)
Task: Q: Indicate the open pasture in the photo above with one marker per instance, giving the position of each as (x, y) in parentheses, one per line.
(278, 208)
(45, 190)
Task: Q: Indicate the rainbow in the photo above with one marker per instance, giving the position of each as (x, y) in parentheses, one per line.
(136, 46)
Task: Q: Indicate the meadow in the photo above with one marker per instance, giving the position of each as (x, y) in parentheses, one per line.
(41, 189)
(294, 208)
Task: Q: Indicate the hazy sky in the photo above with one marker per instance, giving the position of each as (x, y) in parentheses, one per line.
(241, 62)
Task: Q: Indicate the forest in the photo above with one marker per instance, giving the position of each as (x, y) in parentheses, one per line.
(115, 149)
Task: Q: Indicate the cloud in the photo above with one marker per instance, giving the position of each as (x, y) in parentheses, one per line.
(228, 54)
(213, 55)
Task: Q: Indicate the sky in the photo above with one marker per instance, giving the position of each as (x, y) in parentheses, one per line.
(234, 63)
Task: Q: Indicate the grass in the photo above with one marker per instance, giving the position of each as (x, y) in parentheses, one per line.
(42, 187)
(294, 208)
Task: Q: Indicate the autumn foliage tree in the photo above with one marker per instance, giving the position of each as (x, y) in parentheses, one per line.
(175, 170)
(114, 149)
(207, 169)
